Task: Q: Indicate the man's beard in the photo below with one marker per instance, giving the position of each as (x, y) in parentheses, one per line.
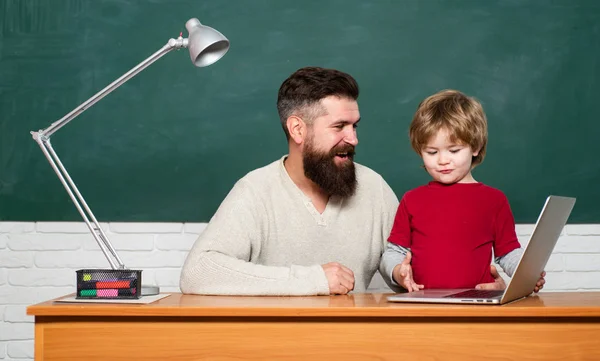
(320, 168)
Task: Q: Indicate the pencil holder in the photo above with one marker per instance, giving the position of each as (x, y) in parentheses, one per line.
(108, 284)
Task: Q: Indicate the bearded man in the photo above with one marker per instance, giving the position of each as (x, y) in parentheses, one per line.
(313, 222)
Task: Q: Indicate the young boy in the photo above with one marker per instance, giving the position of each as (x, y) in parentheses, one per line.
(448, 228)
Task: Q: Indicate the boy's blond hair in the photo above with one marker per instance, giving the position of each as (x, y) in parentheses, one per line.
(460, 115)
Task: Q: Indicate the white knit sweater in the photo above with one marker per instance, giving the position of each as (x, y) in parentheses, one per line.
(267, 238)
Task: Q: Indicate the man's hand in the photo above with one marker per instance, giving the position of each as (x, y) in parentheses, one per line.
(340, 278)
(498, 283)
(403, 275)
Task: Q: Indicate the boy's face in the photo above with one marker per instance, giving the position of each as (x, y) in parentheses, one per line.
(448, 162)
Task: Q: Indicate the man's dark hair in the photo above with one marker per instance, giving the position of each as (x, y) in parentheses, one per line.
(301, 93)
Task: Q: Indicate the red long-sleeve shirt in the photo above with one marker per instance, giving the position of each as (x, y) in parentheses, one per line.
(451, 231)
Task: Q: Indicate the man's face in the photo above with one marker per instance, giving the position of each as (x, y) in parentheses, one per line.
(328, 153)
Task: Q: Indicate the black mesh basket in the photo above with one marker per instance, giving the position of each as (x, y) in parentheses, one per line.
(109, 284)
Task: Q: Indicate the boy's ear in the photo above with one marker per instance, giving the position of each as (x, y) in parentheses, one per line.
(476, 152)
(297, 129)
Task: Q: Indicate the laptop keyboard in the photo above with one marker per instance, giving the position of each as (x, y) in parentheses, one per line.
(476, 294)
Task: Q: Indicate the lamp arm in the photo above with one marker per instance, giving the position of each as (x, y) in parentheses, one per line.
(42, 137)
(81, 205)
(171, 45)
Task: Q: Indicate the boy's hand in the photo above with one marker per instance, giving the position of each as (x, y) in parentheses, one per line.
(403, 275)
(540, 283)
(498, 283)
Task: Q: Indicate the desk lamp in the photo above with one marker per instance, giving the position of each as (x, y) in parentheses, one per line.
(206, 45)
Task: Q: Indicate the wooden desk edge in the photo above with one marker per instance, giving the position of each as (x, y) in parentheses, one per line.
(554, 305)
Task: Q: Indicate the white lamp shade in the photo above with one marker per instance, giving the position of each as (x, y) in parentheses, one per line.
(206, 45)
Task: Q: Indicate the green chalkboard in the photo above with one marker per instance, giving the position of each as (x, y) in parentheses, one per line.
(170, 143)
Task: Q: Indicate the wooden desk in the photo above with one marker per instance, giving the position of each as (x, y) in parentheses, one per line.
(551, 326)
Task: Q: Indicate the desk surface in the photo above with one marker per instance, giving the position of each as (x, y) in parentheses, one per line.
(546, 304)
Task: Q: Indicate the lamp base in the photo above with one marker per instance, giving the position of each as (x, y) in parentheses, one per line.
(150, 290)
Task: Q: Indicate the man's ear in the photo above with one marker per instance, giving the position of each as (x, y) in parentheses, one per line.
(297, 129)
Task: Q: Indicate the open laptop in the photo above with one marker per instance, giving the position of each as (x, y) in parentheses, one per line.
(545, 234)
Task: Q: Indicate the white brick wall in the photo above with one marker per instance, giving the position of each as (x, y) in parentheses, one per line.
(38, 260)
